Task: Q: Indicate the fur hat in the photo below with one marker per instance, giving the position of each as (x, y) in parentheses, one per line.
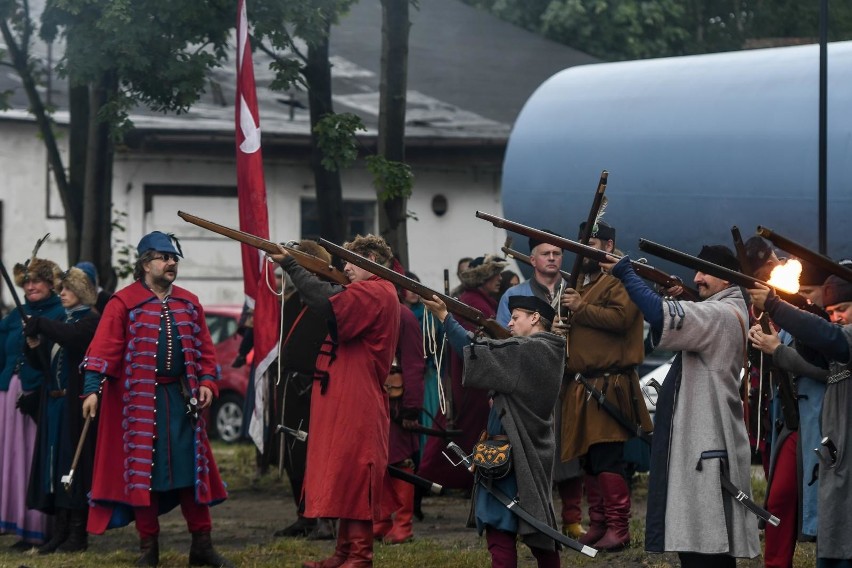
(758, 252)
(78, 282)
(481, 270)
(313, 248)
(370, 244)
(37, 269)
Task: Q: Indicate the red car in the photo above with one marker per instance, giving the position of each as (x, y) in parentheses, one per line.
(225, 419)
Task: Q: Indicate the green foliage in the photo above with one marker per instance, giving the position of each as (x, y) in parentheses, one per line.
(336, 138)
(636, 29)
(391, 179)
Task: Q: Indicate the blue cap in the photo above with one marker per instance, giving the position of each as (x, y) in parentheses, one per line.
(160, 242)
(90, 271)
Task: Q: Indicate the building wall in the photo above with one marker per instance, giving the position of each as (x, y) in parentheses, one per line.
(212, 264)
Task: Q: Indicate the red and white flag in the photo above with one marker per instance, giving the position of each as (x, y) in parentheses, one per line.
(258, 275)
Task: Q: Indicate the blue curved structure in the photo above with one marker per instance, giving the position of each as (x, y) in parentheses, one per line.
(693, 145)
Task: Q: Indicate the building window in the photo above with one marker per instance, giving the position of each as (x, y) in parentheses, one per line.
(360, 218)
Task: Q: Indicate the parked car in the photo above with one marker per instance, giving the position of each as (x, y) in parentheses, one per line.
(225, 419)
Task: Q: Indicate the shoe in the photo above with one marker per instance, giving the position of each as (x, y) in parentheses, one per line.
(202, 553)
(150, 548)
(573, 530)
(60, 532)
(597, 516)
(616, 497)
(78, 538)
(21, 546)
(300, 528)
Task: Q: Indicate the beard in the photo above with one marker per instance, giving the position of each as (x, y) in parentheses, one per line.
(590, 265)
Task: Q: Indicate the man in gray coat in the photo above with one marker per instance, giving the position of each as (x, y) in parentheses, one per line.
(700, 433)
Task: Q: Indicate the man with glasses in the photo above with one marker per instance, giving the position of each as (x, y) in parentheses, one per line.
(152, 362)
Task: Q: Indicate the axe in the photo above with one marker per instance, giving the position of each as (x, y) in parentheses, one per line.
(68, 478)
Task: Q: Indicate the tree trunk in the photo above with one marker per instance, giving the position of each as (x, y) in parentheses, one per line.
(20, 57)
(391, 143)
(329, 190)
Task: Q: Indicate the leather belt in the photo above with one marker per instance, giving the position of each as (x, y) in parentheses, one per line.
(56, 393)
(167, 380)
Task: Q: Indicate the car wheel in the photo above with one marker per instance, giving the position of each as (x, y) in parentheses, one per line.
(228, 418)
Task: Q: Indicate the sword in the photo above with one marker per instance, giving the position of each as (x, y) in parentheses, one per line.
(68, 478)
(300, 435)
(515, 507)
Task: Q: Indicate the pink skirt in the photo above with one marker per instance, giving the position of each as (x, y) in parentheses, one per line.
(17, 444)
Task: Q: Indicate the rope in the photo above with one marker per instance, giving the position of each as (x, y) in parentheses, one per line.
(430, 345)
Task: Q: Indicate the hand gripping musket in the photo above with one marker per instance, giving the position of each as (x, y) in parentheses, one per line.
(589, 227)
(806, 254)
(515, 506)
(521, 257)
(305, 260)
(454, 306)
(642, 269)
(68, 478)
(712, 269)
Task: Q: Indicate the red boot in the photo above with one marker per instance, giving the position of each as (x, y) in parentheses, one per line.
(571, 495)
(341, 552)
(597, 516)
(616, 497)
(360, 544)
(403, 529)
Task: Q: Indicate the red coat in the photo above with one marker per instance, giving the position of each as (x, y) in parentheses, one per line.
(124, 350)
(348, 443)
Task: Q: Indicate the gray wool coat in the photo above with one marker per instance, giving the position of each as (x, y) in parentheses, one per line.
(526, 374)
(708, 415)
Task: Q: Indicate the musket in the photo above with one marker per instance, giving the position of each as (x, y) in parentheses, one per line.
(588, 228)
(12, 292)
(307, 261)
(519, 256)
(739, 247)
(642, 269)
(806, 254)
(454, 306)
(712, 269)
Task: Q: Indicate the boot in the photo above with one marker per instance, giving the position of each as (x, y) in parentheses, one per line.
(78, 538)
(571, 495)
(202, 553)
(302, 527)
(323, 530)
(597, 516)
(403, 529)
(616, 497)
(150, 548)
(382, 527)
(341, 552)
(360, 544)
(60, 533)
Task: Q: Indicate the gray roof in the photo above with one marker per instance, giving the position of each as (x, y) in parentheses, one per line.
(469, 76)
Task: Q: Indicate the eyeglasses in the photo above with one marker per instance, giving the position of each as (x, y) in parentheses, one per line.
(166, 257)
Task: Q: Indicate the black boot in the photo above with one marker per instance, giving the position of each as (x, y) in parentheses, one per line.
(78, 539)
(60, 533)
(202, 553)
(301, 528)
(150, 549)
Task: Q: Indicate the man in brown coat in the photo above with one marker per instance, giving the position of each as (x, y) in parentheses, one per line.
(604, 346)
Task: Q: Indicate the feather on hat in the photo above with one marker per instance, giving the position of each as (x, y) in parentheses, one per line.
(37, 268)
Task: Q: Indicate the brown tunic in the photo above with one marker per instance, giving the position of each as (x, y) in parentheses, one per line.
(605, 345)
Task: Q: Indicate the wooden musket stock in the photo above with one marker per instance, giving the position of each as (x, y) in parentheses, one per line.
(806, 254)
(309, 262)
(454, 306)
(644, 270)
(588, 228)
(712, 269)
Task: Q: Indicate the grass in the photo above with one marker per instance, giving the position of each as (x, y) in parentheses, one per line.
(463, 550)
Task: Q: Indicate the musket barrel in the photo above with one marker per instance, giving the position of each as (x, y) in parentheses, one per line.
(806, 254)
(700, 265)
(453, 305)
